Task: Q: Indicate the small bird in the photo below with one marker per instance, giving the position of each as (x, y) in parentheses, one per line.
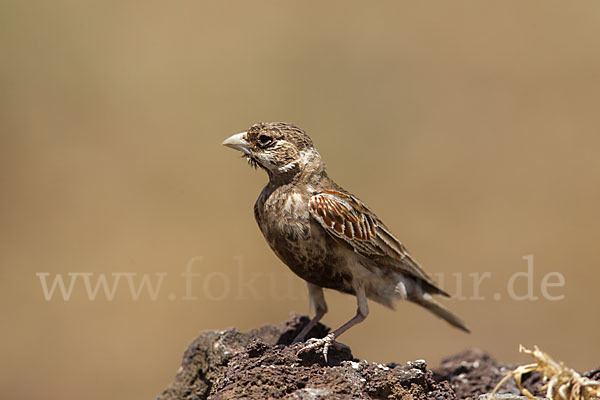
(326, 235)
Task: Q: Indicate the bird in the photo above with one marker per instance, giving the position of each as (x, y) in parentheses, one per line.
(326, 235)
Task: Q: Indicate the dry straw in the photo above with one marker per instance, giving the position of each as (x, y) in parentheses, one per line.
(562, 383)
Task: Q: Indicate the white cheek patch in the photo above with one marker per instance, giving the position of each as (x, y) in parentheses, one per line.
(306, 157)
(265, 158)
(264, 161)
(277, 145)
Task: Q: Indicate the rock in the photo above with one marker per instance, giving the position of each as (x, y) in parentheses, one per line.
(474, 372)
(262, 364)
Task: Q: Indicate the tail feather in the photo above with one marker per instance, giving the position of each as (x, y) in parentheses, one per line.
(425, 300)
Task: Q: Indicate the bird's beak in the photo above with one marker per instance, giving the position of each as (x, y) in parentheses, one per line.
(238, 142)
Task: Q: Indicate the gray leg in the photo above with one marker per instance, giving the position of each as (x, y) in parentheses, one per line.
(361, 313)
(315, 294)
(329, 340)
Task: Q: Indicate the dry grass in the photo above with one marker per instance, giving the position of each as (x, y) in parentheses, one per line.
(562, 382)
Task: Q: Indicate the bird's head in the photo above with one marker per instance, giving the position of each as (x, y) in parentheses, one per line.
(283, 150)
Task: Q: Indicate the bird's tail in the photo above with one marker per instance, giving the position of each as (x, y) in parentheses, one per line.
(425, 300)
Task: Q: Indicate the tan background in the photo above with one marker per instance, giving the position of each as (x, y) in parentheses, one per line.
(471, 128)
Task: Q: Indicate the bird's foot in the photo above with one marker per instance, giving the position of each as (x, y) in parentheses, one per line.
(325, 342)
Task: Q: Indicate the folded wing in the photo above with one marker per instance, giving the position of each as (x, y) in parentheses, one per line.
(347, 219)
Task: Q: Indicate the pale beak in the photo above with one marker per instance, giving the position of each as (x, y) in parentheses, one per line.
(238, 142)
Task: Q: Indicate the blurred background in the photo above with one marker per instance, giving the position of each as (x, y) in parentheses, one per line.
(470, 128)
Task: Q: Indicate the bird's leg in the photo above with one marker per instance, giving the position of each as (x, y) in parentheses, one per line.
(329, 340)
(315, 294)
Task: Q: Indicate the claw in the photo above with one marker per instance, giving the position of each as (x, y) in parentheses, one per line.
(325, 342)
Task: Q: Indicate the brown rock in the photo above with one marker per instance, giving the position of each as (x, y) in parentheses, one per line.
(261, 364)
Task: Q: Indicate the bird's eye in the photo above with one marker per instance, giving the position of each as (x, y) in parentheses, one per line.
(264, 139)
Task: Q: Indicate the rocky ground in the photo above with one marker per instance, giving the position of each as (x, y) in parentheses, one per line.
(261, 364)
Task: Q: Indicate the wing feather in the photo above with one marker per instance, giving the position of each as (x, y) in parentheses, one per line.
(347, 219)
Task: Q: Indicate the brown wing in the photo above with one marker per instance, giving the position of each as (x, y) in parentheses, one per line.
(345, 218)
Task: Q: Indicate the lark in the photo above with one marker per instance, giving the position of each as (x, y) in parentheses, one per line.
(327, 236)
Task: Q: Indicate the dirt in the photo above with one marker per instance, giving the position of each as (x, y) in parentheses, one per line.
(262, 364)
